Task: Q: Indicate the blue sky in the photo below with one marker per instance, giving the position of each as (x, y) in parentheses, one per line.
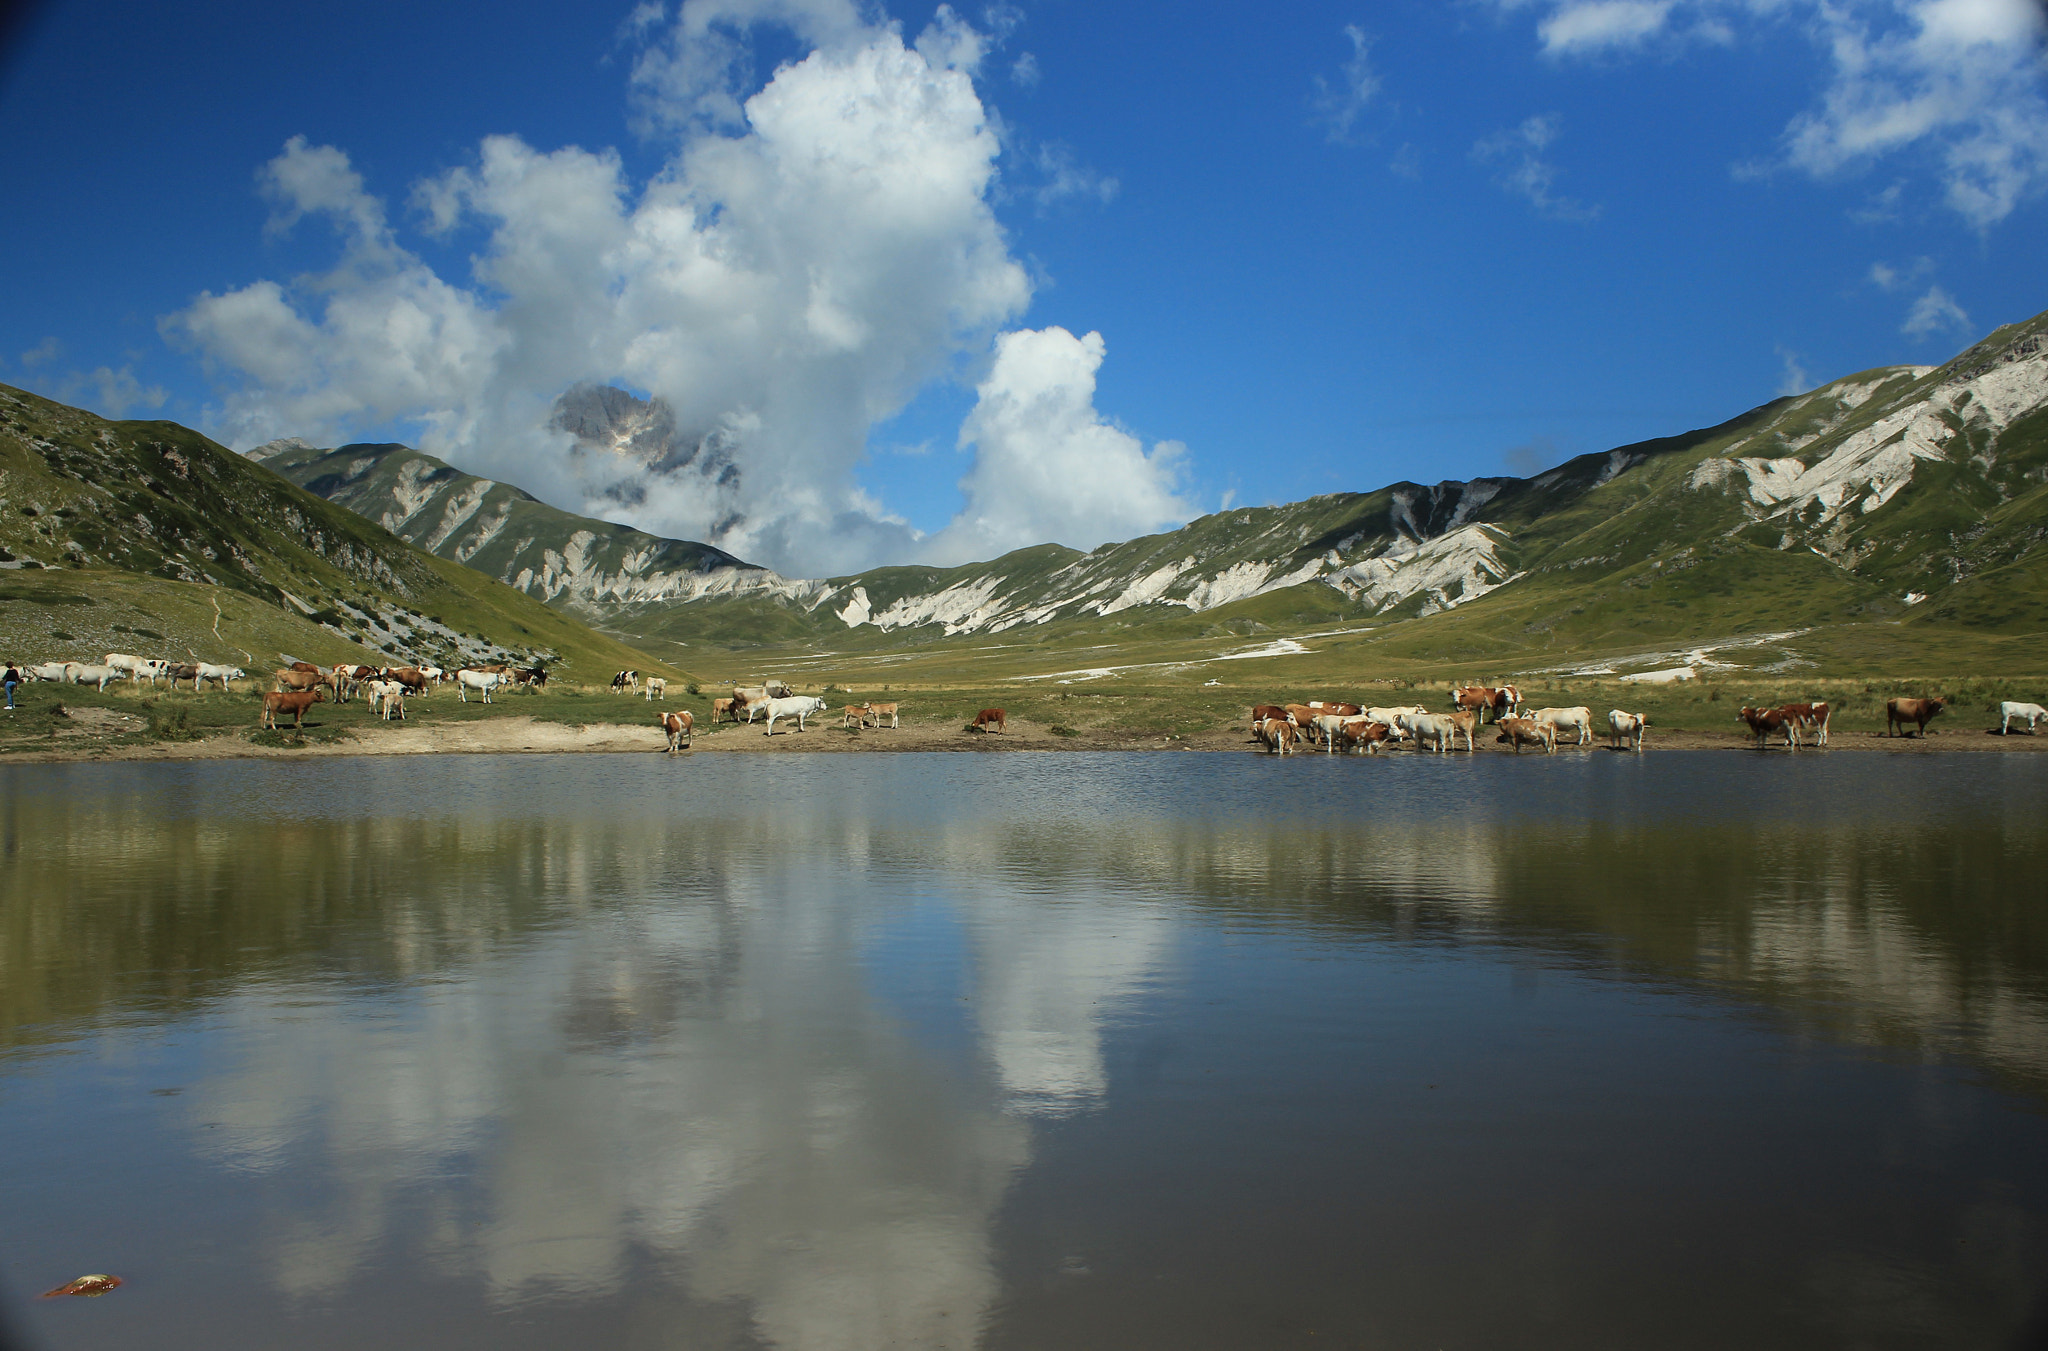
(1325, 248)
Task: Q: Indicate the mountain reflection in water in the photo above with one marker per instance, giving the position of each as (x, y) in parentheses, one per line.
(724, 1053)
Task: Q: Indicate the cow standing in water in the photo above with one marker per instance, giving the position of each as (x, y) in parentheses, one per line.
(680, 729)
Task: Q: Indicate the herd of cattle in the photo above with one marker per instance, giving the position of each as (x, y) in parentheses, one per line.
(1283, 728)
(773, 701)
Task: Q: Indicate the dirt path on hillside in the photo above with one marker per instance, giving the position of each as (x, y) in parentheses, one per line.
(96, 734)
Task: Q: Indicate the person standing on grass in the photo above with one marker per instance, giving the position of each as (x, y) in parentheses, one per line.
(10, 679)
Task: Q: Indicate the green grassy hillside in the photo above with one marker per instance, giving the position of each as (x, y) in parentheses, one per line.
(124, 535)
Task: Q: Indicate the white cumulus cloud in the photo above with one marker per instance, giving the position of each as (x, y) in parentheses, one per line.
(1959, 81)
(1047, 465)
(809, 257)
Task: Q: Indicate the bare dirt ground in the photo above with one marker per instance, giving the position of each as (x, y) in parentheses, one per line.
(91, 734)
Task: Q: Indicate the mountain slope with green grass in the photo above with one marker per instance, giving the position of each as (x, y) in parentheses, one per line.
(148, 537)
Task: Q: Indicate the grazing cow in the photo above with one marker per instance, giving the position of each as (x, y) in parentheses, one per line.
(138, 668)
(307, 667)
(481, 681)
(294, 680)
(2010, 713)
(1364, 734)
(413, 678)
(388, 693)
(721, 708)
(1568, 720)
(535, 675)
(657, 688)
(1499, 701)
(626, 682)
(798, 706)
(681, 729)
(990, 717)
(856, 715)
(51, 670)
(1278, 734)
(1466, 720)
(1626, 727)
(206, 670)
(79, 673)
(748, 699)
(1919, 712)
(187, 670)
(434, 673)
(881, 711)
(1812, 717)
(295, 703)
(1764, 721)
(1520, 732)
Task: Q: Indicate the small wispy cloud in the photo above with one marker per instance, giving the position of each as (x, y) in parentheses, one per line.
(1935, 312)
(42, 354)
(1888, 277)
(1529, 459)
(1024, 71)
(1596, 25)
(1062, 176)
(1794, 379)
(1338, 105)
(1526, 173)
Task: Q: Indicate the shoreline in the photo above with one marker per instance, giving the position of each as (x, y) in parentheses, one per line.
(521, 735)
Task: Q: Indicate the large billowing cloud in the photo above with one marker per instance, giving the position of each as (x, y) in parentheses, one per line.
(1047, 465)
(1960, 81)
(809, 258)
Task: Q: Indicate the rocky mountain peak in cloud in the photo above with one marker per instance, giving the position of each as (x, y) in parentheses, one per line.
(646, 439)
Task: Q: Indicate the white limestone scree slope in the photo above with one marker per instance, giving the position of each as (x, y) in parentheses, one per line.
(1830, 471)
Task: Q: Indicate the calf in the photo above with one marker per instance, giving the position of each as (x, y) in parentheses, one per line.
(293, 702)
(881, 711)
(1812, 717)
(390, 695)
(989, 717)
(1626, 727)
(1764, 721)
(1568, 720)
(856, 715)
(681, 729)
(723, 708)
(1520, 732)
(1919, 712)
(2010, 713)
(1464, 720)
(657, 688)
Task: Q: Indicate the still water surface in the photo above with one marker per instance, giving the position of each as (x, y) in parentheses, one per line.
(851, 1052)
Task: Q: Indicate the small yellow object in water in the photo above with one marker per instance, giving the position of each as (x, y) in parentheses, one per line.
(95, 1284)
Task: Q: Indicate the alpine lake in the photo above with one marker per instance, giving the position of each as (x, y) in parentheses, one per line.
(1065, 1050)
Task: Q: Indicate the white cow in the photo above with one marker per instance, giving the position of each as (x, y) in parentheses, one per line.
(1567, 720)
(209, 671)
(483, 681)
(798, 706)
(1436, 728)
(1329, 726)
(51, 670)
(2009, 713)
(78, 673)
(1391, 717)
(657, 688)
(390, 695)
(1626, 727)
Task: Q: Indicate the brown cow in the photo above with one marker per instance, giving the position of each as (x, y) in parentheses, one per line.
(1364, 733)
(989, 717)
(1501, 701)
(295, 679)
(1520, 732)
(856, 715)
(889, 711)
(1263, 712)
(307, 666)
(722, 708)
(1278, 734)
(295, 704)
(1304, 719)
(412, 677)
(1919, 712)
(681, 730)
(1323, 707)
(1465, 720)
(183, 670)
(1764, 721)
(1813, 717)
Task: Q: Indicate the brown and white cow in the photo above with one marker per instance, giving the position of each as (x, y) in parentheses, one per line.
(1364, 734)
(1919, 712)
(1499, 702)
(1764, 721)
(1626, 728)
(987, 718)
(1465, 720)
(295, 703)
(680, 728)
(1261, 712)
(1520, 732)
(412, 677)
(1278, 735)
(1811, 717)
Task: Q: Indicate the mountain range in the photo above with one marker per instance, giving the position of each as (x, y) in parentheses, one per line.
(1902, 494)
